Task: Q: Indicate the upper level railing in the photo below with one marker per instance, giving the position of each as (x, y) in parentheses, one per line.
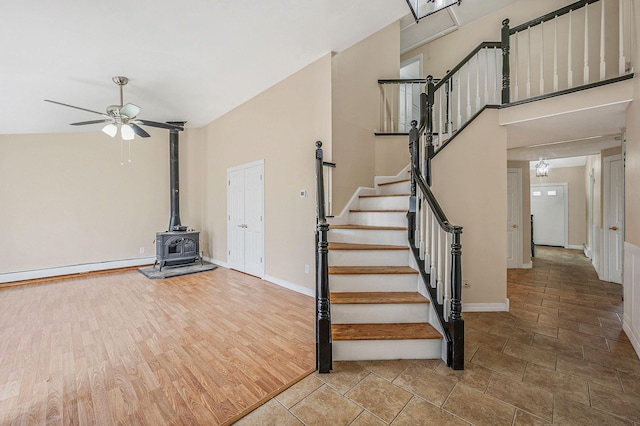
(575, 47)
(323, 313)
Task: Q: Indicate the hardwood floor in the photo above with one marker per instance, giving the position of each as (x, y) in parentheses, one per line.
(119, 348)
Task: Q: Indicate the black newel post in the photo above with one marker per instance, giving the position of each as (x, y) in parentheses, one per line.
(323, 316)
(429, 124)
(414, 151)
(506, 73)
(455, 356)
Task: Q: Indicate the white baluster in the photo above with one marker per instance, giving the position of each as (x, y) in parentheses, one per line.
(542, 58)
(424, 234)
(441, 255)
(497, 81)
(586, 44)
(459, 115)
(622, 61)
(570, 56)
(486, 76)
(434, 250)
(529, 64)
(447, 275)
(603, 64)
(468, 91)
(477, 83)
(516, 90)
(555, 54)
(440, 128)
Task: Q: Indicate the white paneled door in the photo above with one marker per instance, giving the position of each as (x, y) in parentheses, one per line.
(245, 216)
(514, 218)
(613, 218)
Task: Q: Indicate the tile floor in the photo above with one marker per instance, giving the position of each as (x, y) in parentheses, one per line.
(558, 357)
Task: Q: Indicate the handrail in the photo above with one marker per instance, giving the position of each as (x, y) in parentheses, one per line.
(483, 45)
(323, 314)
(429, 246)
(552, 15)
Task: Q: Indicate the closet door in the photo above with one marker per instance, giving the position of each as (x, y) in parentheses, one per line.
(245, 227)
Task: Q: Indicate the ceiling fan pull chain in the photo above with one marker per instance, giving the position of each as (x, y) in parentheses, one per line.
(129, 159)
(121, 153)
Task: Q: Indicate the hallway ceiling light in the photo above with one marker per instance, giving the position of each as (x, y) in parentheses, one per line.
(542, 168)
(423, 8)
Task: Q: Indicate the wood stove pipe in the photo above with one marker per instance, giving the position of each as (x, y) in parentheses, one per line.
(174, 177)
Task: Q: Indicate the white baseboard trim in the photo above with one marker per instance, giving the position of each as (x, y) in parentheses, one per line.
(574, 247)
(631, 287)
(486, 307)
(528, 265)
(74, 269)
(291, 286)
(216, 262)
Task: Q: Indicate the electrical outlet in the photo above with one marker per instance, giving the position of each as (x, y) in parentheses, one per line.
(466, 283)
(306, 269)
(141, 250)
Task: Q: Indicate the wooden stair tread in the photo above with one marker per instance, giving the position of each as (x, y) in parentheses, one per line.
(377, 297)
(378, 211)
(370, 227)
(353, 246)
(355, 270)
(385, 195)
(394, 181)
(396, 331)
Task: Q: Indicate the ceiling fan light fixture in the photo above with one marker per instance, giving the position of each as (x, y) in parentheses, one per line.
(127, 132)
(110, 129)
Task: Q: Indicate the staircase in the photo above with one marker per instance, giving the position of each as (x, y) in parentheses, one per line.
(377, 310)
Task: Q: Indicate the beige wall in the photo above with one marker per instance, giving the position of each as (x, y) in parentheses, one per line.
(279, 126)
(355, 109)
(479, 154)
(526, 208)
(66, 200)
(574, 177)
(392, 155)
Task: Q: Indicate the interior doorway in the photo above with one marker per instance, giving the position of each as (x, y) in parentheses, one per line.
(613, 217)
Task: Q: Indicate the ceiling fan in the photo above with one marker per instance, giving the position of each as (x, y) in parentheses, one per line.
(123, 117)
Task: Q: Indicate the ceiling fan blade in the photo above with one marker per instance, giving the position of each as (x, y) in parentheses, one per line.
(160, 125)
(82, 123)
(130, 110)
(139, 130)
(71, 106)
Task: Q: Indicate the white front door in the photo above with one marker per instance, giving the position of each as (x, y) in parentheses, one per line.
(613, 228)
(245, 215)
(549, 210)
(514, 216)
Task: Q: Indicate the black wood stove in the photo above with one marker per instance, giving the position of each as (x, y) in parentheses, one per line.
(179, 245)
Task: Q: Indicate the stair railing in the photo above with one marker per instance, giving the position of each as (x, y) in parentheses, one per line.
(436, 246)
(555, 52)
(323, 313)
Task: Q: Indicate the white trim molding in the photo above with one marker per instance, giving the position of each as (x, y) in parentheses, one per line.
(291, 286)
(574, 247)
(74, 269)
(486, 307)
(631, 289)
(528, 265)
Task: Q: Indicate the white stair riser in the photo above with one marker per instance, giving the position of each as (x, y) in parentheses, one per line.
(378, 218)
(368, 236)
(368, 257)
(383, 203)
(379, 313)
(395, 188)
(363, 350)
(373, 282)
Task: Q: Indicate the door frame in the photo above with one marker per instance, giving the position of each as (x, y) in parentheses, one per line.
(519, 248)
(244, 167)
(565, 188)
(606, 172)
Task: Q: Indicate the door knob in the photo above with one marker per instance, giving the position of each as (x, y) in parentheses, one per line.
(614, 228)
(514, 225)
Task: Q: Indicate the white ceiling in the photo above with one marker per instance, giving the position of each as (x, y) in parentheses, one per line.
(192, 60)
